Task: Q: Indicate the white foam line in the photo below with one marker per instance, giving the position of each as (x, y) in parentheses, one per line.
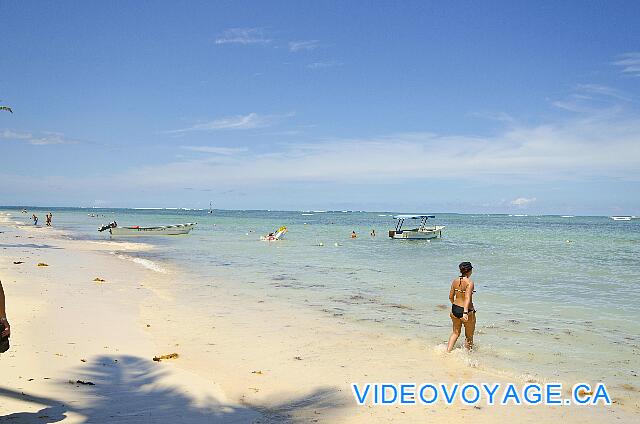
(149, 264)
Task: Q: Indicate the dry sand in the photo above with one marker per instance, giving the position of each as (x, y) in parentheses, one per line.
(242, 358)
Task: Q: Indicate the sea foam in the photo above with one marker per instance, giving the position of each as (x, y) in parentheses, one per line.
(149, 264)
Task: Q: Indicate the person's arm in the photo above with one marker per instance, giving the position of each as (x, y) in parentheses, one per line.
(451, 293)
(467, 299)
(3, 314)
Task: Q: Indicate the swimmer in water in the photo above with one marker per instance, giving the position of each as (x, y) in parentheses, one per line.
(353, 234)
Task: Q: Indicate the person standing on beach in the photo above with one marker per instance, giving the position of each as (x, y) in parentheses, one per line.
(3, 315)
(462, 310)
(35, 219)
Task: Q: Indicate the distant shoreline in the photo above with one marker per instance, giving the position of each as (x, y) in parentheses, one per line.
(181, 209)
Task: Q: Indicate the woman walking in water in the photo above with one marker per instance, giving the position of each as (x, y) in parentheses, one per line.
(462, 311)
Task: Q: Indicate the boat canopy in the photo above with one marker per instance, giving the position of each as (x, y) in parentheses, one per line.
(413, 216)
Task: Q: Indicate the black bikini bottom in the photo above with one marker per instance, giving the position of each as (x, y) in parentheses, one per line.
(458, 311)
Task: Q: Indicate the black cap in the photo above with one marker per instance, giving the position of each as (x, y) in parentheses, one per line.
(465, 266)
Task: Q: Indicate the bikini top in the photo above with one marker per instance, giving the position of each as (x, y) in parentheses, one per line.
(460, 289)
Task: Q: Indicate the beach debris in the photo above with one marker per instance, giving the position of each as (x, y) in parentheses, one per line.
(42, 264)
(297, 358)
(148, 325)
(398, 306)
(99, 280)
(255, 389)
(256, 372)
(583, 392)
(82, 382)
(163, 357)
(17, 262)
(83, 360)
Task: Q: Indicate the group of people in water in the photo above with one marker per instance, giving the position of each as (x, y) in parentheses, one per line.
(48, 217)
(354, 235)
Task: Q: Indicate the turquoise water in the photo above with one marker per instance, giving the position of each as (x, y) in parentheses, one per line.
(557, 298)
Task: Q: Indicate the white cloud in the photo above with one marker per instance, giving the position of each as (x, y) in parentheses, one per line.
(602, 90)
(494, 116)
(13, 135)
(225, 151)
(629, 63)
(46, 138)
(321, 65)
(587, 147)
(594, 99)
(296, 46)
(243, 36)
(596, 144)
(237, 122)
(522, 201)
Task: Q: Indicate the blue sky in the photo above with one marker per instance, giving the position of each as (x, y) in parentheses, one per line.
(525, 107)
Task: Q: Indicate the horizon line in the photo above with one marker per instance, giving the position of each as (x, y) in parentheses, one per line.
(296, 210)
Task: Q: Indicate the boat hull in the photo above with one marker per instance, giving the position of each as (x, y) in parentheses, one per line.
(621, 218)
(166, 230)
(417, 234)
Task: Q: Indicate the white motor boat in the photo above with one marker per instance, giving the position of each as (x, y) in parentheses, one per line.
(621, 218)
(163, 230)
(422, 232)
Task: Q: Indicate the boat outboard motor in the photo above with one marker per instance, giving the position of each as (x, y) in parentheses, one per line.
(108, 226)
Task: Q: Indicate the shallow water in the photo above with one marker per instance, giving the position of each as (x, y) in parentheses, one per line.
(557, 298)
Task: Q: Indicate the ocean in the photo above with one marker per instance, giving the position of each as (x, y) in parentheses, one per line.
(557, 297)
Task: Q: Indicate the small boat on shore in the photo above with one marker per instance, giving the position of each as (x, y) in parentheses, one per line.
(422, 232)
(162, 230)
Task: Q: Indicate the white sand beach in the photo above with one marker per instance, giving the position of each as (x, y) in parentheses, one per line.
(241, 358)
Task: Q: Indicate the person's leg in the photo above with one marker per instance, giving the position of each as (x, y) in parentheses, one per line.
(457, 327)
(469, 329)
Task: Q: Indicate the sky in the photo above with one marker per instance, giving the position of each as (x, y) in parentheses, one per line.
(414, 106)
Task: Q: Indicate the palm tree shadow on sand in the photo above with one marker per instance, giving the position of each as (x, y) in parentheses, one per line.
(128, 389)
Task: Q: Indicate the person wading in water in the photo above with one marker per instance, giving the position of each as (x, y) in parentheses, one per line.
(462, 311)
